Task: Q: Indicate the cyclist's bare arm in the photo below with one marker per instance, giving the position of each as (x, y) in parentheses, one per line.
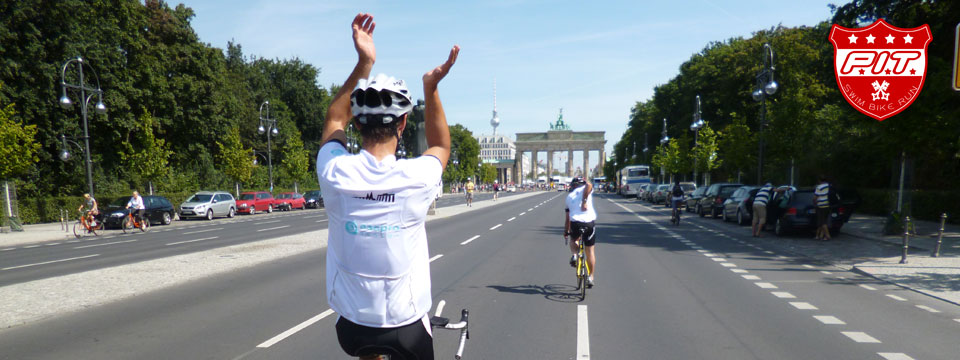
(586, 193)
(437, 132)
(338, 114)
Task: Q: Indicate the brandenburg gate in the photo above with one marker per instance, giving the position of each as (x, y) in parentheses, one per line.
(560, 138)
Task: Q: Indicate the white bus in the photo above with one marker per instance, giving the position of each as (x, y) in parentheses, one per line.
(631, 177)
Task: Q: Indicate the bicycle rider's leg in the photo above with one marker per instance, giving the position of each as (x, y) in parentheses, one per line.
(413, 341)
(589, 240)
(140, 215)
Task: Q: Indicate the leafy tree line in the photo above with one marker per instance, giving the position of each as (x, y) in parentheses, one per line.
(809, 124)
(181, 114)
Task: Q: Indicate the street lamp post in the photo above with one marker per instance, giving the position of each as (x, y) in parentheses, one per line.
(663, 141)
(766, 86)
(268, 126)
(65, 102)
(697, 124)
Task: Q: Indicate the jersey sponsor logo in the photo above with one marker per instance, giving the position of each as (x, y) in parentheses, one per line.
(385, 197)
(880, 68)
(372, 230)
(337, 152)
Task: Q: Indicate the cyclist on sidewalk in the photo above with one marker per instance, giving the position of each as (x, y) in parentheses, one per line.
(378, 268)
(92, 211)
(136, 206)
(579, 223)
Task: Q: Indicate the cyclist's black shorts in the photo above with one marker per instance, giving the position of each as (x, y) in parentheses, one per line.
(411, 342)
(587, 231)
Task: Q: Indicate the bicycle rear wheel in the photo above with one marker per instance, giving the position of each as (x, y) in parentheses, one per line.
(583, 283)
(127, 225)
(78, 229)
(144, 225)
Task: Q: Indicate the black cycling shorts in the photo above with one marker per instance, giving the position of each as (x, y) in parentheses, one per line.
(586, 231)
(410, 342)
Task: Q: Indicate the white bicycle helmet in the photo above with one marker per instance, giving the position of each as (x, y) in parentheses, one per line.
(380, 100)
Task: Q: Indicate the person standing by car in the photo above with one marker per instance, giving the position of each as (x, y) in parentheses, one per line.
(822, 201)
(136, 206)
(469, 191)
(91, 214)
(378, 268)
(760, 208)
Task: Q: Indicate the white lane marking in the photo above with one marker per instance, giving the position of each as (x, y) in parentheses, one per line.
(436, 257)
(927, 308)
(709, 254)
(728, 264)
(311, 217)
(53, 244)
(783, 295)
(739, 271)
(782, 257)
(295, 329)
(512, 219)
(751, 277)
(718, 259)
(803, 305)
(104, 244)
(267, 222)
(496, 226)
(523, 213)
(768, 252)
(320, 221)
(583, 334)
(696, 247)
(531, 209)
(440, 306)
(470, 239)
(868, 287)
(895, 356)
(190, 241)
(274, 228)
(766, 285)
(8, 249)
(49, 262)
(826, 272)
(957, 320)
(31, 246)
(860, 337)
(829, 320)
(897, 298)
(200, 231)
(703, 251)
(807, 266)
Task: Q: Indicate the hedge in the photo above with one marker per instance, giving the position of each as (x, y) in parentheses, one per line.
(919, 204)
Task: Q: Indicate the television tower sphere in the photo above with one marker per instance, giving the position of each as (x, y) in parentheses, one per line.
(495, 121)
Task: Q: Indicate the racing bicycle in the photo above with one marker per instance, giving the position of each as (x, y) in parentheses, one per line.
(583, 269)
(85, 226)
(131, 222)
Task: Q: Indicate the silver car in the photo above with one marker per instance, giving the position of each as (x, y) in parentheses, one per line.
(209, 204)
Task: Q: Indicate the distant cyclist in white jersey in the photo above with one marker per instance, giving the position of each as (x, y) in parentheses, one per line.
(378, 271)
(580, 224)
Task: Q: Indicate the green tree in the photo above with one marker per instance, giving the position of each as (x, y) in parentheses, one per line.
(466, 150)
(737, 146)
(295, 165)
(235, 160)
(18, 151)
(706, 150)
(149, 159)
(488, 173)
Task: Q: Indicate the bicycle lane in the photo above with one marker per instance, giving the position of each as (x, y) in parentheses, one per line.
(774, 305)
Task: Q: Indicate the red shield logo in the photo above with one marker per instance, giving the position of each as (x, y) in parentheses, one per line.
(880, 68)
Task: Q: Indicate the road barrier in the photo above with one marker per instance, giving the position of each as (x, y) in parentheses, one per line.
(906, 239)
(943, 222)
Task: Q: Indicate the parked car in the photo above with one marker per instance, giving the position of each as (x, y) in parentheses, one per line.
(648, 193)
(313, 199)
(290, 200)
(691, 200)
(643, 188)
(511, 188)
(158, 210)
(660, 194)
(208, 205)
(712, 200)
(735, 206)
(794, 211)
(252, 201)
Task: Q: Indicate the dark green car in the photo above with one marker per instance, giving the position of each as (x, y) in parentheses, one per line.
(313, 199)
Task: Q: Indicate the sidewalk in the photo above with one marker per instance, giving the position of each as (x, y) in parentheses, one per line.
(861, 247)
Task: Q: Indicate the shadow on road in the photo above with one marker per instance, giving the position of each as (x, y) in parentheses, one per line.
(553, 292)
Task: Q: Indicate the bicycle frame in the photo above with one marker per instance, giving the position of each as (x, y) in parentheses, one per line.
(134, 223)
(583, 270)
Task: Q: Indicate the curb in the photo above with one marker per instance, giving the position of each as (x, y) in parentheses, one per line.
(907, 287)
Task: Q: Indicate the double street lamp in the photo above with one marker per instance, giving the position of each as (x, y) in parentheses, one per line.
(86, 94)
(697, 124)
(766, 86)
(268, 126)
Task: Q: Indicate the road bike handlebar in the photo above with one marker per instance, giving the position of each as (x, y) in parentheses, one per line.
(444, 323)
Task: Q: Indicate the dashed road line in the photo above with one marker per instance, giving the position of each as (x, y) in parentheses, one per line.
(803, 305)
(897, 298)
(739, 271)
(895, 356)
(295, 329)
(470, 239)
(766, 285)
(868, 287)
(583, 334)
(860, 337)
(751, 277)
(267, 222)
(274, 228)
(829, 320)
(807, 266)
(435, 257)
(496, 226)
(104, 244)
(191, 241)
(7, 249)
(783, 295)
(200, 231)
(927, 308)
(512, 219)
(826, 272)
(728, 264)
(49, 262)
(523, 213)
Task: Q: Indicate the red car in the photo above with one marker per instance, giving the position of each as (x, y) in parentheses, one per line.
(252, 201)
(290, 200)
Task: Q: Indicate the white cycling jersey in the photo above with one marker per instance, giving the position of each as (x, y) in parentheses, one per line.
(573, 202)
(378, 268)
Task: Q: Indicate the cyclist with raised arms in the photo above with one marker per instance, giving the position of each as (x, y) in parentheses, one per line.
(378, 268)
(580, 224)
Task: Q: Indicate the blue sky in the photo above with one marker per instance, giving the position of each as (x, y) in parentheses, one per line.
(594, 59)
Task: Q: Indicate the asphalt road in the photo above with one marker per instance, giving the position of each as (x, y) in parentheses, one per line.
(702, 290)
(113, 248)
